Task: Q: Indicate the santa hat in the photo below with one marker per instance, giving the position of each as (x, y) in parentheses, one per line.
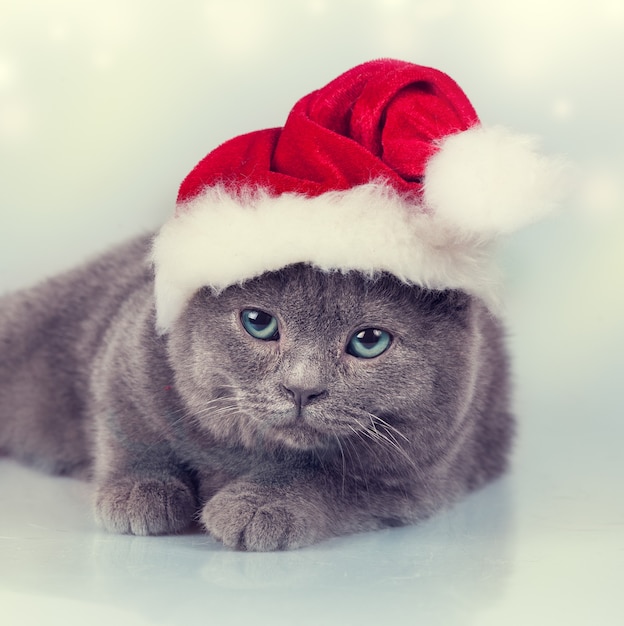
(385, 169)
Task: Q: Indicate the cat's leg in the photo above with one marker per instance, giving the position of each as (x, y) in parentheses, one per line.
(142, 486)
(142, 490)
(145, 504)
(248, 515)
(261, 515)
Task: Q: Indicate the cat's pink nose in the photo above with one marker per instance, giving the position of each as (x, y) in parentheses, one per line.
(303, 396)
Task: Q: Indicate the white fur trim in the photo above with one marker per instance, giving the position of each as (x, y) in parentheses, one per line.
(491, 181)
(218, 240)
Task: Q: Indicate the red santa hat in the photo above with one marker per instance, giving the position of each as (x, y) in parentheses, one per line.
(385, 169)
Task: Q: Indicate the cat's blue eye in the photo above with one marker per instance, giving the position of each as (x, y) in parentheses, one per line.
(260, 325)
(369, 343)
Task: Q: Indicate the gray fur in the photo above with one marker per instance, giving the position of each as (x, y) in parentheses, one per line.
(198, 424)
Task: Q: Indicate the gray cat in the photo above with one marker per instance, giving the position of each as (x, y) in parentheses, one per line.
(294, 407)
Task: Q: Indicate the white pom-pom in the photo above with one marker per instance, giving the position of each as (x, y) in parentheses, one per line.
(490, 181)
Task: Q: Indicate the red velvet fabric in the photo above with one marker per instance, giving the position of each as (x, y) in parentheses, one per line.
(379, 120)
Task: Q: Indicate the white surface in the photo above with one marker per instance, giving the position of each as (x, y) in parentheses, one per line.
(104, 107)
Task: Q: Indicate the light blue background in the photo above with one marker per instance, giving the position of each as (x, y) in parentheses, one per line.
(104, 108)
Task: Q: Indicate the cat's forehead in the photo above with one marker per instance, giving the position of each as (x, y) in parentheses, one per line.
(303, 284)
(301, 288)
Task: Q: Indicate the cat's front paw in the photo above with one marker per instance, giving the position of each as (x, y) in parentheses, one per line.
(246, 516)
(145, 506)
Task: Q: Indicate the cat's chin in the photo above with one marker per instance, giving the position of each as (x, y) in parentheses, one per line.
(300, 436)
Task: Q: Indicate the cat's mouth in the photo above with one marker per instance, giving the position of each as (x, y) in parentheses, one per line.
(294, 429)
(305, 429)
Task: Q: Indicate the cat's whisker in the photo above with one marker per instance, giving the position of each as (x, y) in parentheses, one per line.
(384, 442)
(389, 437)
(385, 432)
(389, 427)
(372, 422)
(197, 417)
(374, 435)
(390, 441)
(214, 407)
(348, 447)
(210, 411)
(344, 463)
(216, 400)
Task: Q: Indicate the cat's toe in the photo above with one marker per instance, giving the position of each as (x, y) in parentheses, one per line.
(145, 506)
(251, 520)
(276, 526)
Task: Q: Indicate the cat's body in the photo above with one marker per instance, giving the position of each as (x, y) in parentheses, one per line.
(276, 444)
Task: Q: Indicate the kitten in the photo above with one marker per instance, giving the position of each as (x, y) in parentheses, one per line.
(295, 407)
